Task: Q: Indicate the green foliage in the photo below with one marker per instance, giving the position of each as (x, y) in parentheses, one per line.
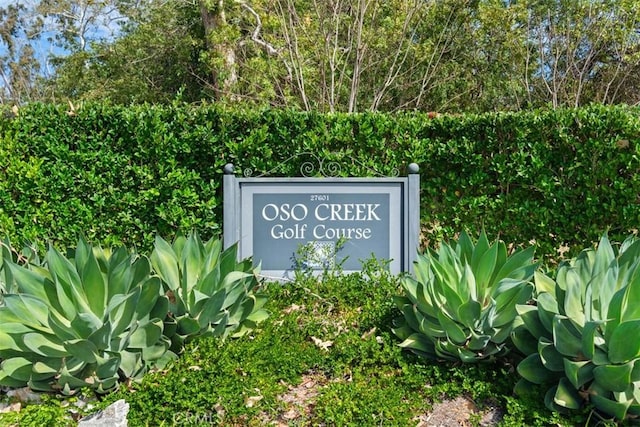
(366, 398)
(100, 317)
(117, 175)
(85, 321)
(354, 373)
(167, 38)
(49, 412)
(581, 338)
(382, 56)
(530, 410)
(217, 378)
(28, 255)
(462, 303)
(210, 292)
(122, 174)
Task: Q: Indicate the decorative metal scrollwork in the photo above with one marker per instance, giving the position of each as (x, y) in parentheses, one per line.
(319, 167)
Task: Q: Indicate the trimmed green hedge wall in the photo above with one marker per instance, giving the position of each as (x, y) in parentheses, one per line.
(121, 174)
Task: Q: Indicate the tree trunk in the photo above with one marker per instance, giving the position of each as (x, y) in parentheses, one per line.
(225, 76)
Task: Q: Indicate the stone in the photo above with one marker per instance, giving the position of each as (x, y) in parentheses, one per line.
(24, 394)
(114, 415)
(10, 407)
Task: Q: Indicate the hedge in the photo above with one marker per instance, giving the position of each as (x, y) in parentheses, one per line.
(121, 174)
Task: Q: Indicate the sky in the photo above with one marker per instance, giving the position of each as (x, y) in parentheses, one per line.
(43, 48)
(4, 3)
(105, 25)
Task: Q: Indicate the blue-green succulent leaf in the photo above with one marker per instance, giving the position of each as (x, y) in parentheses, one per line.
(565, 337)
(622, 349)
(578, 373)
(614, 377)
(567, 396)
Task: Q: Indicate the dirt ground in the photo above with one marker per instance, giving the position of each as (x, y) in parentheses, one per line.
(299, 401)
(458, 412)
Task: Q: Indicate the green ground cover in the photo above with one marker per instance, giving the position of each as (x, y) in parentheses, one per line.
(326, 355)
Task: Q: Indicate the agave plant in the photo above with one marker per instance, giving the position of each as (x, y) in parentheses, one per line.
(462, 303)
(6, 281)
(583, 337)
(90, 320)
(210, 292)
(28, 255)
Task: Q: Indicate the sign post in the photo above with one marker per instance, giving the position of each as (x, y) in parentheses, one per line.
(321, 223)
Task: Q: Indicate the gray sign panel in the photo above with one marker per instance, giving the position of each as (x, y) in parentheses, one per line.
(321, 223)
(333, 228)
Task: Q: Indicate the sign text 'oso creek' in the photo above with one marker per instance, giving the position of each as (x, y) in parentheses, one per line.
(323, 212)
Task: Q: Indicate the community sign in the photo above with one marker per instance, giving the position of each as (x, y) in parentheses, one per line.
(288, 224)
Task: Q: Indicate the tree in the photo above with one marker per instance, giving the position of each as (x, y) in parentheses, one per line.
(335, 55)
(155, 60)
(340, 55)
(587, 51)
(39, 35)
(328, 55)
(19, 69)
(73, 24)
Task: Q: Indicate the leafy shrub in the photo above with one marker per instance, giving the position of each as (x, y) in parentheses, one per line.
(48, 412)
(462, 304)
(122, 174)
(217, 377)
(581, 339)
